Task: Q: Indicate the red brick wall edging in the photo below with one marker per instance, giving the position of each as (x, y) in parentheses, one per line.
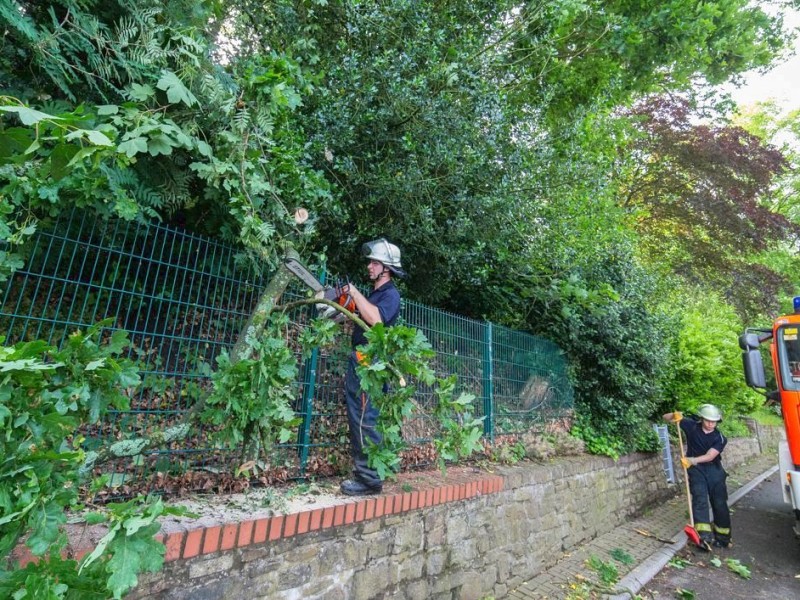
(207, 540)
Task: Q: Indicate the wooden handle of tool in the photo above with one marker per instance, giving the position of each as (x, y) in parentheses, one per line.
(685, 476)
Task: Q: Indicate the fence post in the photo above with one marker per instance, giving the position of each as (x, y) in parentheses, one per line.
(488, 389)
(307, 409)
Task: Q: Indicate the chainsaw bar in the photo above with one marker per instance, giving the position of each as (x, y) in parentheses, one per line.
(300, 271)
(304, 275)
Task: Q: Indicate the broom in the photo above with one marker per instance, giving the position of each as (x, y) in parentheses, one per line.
(689, 530)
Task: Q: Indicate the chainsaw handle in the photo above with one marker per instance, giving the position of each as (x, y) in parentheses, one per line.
(343, 286)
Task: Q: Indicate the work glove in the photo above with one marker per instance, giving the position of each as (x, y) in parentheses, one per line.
(328, 312)
(677, 416)
(339, 293)
(344, 298)
(342, 287)
(688, 462)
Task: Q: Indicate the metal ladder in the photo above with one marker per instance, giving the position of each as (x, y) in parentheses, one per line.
(666, 452)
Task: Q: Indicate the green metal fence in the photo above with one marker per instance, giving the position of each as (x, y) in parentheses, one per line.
(184, 298)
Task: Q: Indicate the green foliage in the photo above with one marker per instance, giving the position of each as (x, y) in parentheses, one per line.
(53, 578)
(647, 441)
(395, 358)
(707, 363)
(605, 52)
(735, 428)
(622, 556)
(129, 547)
(46, 396)
(444, 124)
(251, 404)
(260, 170)
(597, 442)
(485, 137)
(678, 563)
(50, 152)
(607, 571)
(618, 344)
(737, 567)
(508, 454)
(768, 415)
(41, 453)
(111, 570)
(239, 167)
(781, 130)
(461, 431)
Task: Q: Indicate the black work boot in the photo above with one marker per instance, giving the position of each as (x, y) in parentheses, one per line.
(354, 487)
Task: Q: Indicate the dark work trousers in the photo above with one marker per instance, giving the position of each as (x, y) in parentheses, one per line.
(707, 485)
(361, 419)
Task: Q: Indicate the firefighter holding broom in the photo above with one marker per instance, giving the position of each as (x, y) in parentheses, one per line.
(704, 446)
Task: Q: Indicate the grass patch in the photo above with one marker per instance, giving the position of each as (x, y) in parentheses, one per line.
(767, 415)
(734, 428)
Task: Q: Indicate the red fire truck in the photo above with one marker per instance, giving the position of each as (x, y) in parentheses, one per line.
(784, 351)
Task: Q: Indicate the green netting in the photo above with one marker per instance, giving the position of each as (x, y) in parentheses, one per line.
(184, 298)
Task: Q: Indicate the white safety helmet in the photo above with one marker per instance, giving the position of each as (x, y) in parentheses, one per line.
(385, 253)
(709, 412)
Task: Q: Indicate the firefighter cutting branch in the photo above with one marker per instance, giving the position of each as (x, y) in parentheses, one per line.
(382, 305)
(704, 446)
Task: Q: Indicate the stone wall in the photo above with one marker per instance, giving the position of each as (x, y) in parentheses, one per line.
(767, 436)
(739, 450)
(471, 537)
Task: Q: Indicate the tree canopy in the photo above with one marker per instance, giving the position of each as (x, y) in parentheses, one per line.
(698, 195)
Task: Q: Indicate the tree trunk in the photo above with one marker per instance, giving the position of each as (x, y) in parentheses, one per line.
(255, 324)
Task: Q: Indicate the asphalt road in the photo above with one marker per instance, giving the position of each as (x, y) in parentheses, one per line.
(764, 543)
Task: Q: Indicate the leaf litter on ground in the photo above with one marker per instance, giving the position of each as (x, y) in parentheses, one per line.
(737, 567)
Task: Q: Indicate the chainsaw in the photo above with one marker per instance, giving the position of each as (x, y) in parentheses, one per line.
(334, 294)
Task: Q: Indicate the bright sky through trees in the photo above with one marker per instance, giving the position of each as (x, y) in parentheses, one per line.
(782, 83)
